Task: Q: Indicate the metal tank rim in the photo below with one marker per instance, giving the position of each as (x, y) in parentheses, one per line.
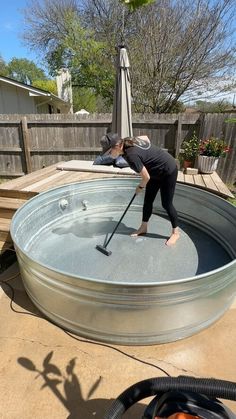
(124, 312)
(118, 283)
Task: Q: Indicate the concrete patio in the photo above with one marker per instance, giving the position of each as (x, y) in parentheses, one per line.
(46, 373)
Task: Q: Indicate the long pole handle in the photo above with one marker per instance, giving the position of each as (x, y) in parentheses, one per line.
(117, 225)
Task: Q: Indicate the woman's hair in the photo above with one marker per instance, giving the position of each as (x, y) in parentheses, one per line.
(143, 143)
(110, 140)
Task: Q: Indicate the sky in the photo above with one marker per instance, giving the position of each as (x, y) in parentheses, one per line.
(11, 45)
(11, 23)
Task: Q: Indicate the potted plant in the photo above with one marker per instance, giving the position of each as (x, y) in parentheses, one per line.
(210, 150)
(189, 151)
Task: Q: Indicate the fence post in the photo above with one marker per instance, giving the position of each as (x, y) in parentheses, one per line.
(178, 135)
(26, 144)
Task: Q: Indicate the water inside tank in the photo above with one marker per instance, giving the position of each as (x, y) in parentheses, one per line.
(69, 245)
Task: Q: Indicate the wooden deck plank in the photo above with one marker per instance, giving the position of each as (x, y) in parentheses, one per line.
(24, 181)
(60, 178)
(198, 181)
(16, 194)
(65, 180)
(222, 188)
(5, 245)
(180, 176)
(74, 177)
(5, 224)
(5, 236)
(189, 179)
(7, 213)
(42, 183)
(71, 177)
(209, 183)
(11, 203)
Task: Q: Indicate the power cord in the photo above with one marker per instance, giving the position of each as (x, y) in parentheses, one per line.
(84, 340)
(117, 350)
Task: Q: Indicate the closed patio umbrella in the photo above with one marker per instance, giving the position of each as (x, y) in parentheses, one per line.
(121, 115)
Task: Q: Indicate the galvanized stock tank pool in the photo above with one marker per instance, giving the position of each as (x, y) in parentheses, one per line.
(145, 292)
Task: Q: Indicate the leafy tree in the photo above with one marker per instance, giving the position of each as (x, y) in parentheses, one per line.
(135, 4)
(48, 85)
(219, 106)
(88, 62)
(24, 70)
(55, 29)
(3, 67)
(85, 98)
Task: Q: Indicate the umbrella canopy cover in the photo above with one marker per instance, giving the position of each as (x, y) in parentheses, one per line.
(121, 115)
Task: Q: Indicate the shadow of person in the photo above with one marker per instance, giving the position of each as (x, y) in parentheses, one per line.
(66, 387)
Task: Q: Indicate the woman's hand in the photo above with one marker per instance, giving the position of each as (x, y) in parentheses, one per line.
(139, 189)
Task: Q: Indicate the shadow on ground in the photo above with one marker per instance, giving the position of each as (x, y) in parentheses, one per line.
(66, 387)
(18, 296)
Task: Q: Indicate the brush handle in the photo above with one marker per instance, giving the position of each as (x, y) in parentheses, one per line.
(117, 225)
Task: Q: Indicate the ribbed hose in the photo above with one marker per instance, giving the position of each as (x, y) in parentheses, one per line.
(154, 386)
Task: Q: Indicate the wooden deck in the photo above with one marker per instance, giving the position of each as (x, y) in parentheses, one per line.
(15, 192)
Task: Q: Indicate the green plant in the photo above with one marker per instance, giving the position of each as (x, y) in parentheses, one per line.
(213, 147)
(190, 148)
(231, 120)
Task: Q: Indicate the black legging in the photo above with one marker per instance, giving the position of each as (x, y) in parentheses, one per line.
(167, 189)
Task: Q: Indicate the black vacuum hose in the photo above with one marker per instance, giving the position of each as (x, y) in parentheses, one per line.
(210, 387)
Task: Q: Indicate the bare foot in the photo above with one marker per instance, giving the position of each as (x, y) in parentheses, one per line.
(142, 230)
(172, 239)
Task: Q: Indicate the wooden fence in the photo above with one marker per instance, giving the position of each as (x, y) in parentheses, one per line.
(31, 142)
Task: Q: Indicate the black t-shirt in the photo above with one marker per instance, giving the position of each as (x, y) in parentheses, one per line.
(158, 162)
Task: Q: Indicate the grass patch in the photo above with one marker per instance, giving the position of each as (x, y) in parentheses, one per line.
(232, 201)
(232, 188)
(2, 180)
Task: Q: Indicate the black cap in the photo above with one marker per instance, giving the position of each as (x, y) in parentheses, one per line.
(108, 141)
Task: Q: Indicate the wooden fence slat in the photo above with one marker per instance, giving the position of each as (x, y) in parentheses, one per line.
(11, 175)
(178, 137)
(26, 143)
(66, 150)
(11, 149)
(50, 138)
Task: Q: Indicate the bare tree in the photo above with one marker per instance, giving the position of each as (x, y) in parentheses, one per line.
(179, 43)
(173, 44)
(47, 24)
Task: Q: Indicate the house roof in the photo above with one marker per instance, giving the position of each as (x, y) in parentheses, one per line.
(33, 91)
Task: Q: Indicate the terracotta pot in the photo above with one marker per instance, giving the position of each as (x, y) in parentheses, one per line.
(207, 164)
(187, 163)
